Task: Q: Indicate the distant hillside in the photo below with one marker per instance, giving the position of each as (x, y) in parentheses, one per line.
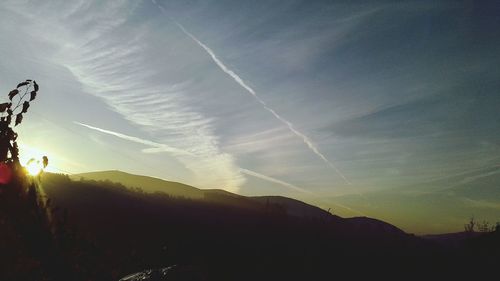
(290, 206)
(295, 207)
(226, 234)
(452, 239)
(175, 189)
(148, 184)
(374, 226)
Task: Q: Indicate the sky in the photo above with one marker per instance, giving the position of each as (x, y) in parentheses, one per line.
(338, 103)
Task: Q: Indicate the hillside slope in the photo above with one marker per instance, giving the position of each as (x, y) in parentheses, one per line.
(148, 184)
(133, 230)
(290, 206)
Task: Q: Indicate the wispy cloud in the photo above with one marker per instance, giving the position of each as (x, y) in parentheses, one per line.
(119, 65)
(480, 176)
(482, 204)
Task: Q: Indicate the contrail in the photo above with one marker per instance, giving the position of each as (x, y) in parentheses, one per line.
(270, 179)
(155, 147)
(347, 208)
(294, 187)
(242, 83)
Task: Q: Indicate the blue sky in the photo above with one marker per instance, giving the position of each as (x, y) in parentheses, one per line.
(308, 99)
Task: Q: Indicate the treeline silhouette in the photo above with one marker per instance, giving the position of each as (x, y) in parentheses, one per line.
(98, 230)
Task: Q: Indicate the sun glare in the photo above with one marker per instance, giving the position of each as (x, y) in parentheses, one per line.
(34, 168)
(32, 159)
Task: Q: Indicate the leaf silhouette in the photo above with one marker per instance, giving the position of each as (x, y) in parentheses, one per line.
(9, 119)
(35, 85)
(19, 119)
(4, 106)
(33, 95)
(13, 93)
(26, 105)
(22, 84)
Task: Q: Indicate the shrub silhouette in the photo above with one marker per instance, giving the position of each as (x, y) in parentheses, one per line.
(13, 111)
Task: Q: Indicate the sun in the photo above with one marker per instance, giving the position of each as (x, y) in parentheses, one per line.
(34, 168)
(31, 158)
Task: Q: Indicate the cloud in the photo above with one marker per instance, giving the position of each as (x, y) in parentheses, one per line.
(480, 176)
(118, 62)
(481, 204)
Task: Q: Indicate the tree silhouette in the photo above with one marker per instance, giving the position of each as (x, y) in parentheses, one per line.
(484, 227)
(470, 226)
(12, 112)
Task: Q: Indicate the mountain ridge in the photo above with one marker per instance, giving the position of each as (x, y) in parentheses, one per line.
(292, 207)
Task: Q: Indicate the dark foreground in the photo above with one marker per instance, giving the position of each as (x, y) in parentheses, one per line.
(87, 230)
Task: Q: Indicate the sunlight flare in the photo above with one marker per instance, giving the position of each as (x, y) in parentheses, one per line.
(33, 167)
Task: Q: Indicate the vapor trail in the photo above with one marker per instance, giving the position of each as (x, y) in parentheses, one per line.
(294, 187)
(155, 147)
(242, 83)
(270, 179)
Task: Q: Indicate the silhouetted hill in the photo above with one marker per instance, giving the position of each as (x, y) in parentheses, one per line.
(148, 184)
(452, 239)
(295, 207)
(175, 189)
(374, 226)
(247, 233)
(291, 206)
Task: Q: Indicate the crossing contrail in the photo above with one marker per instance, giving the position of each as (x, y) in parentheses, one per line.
(242, 83)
